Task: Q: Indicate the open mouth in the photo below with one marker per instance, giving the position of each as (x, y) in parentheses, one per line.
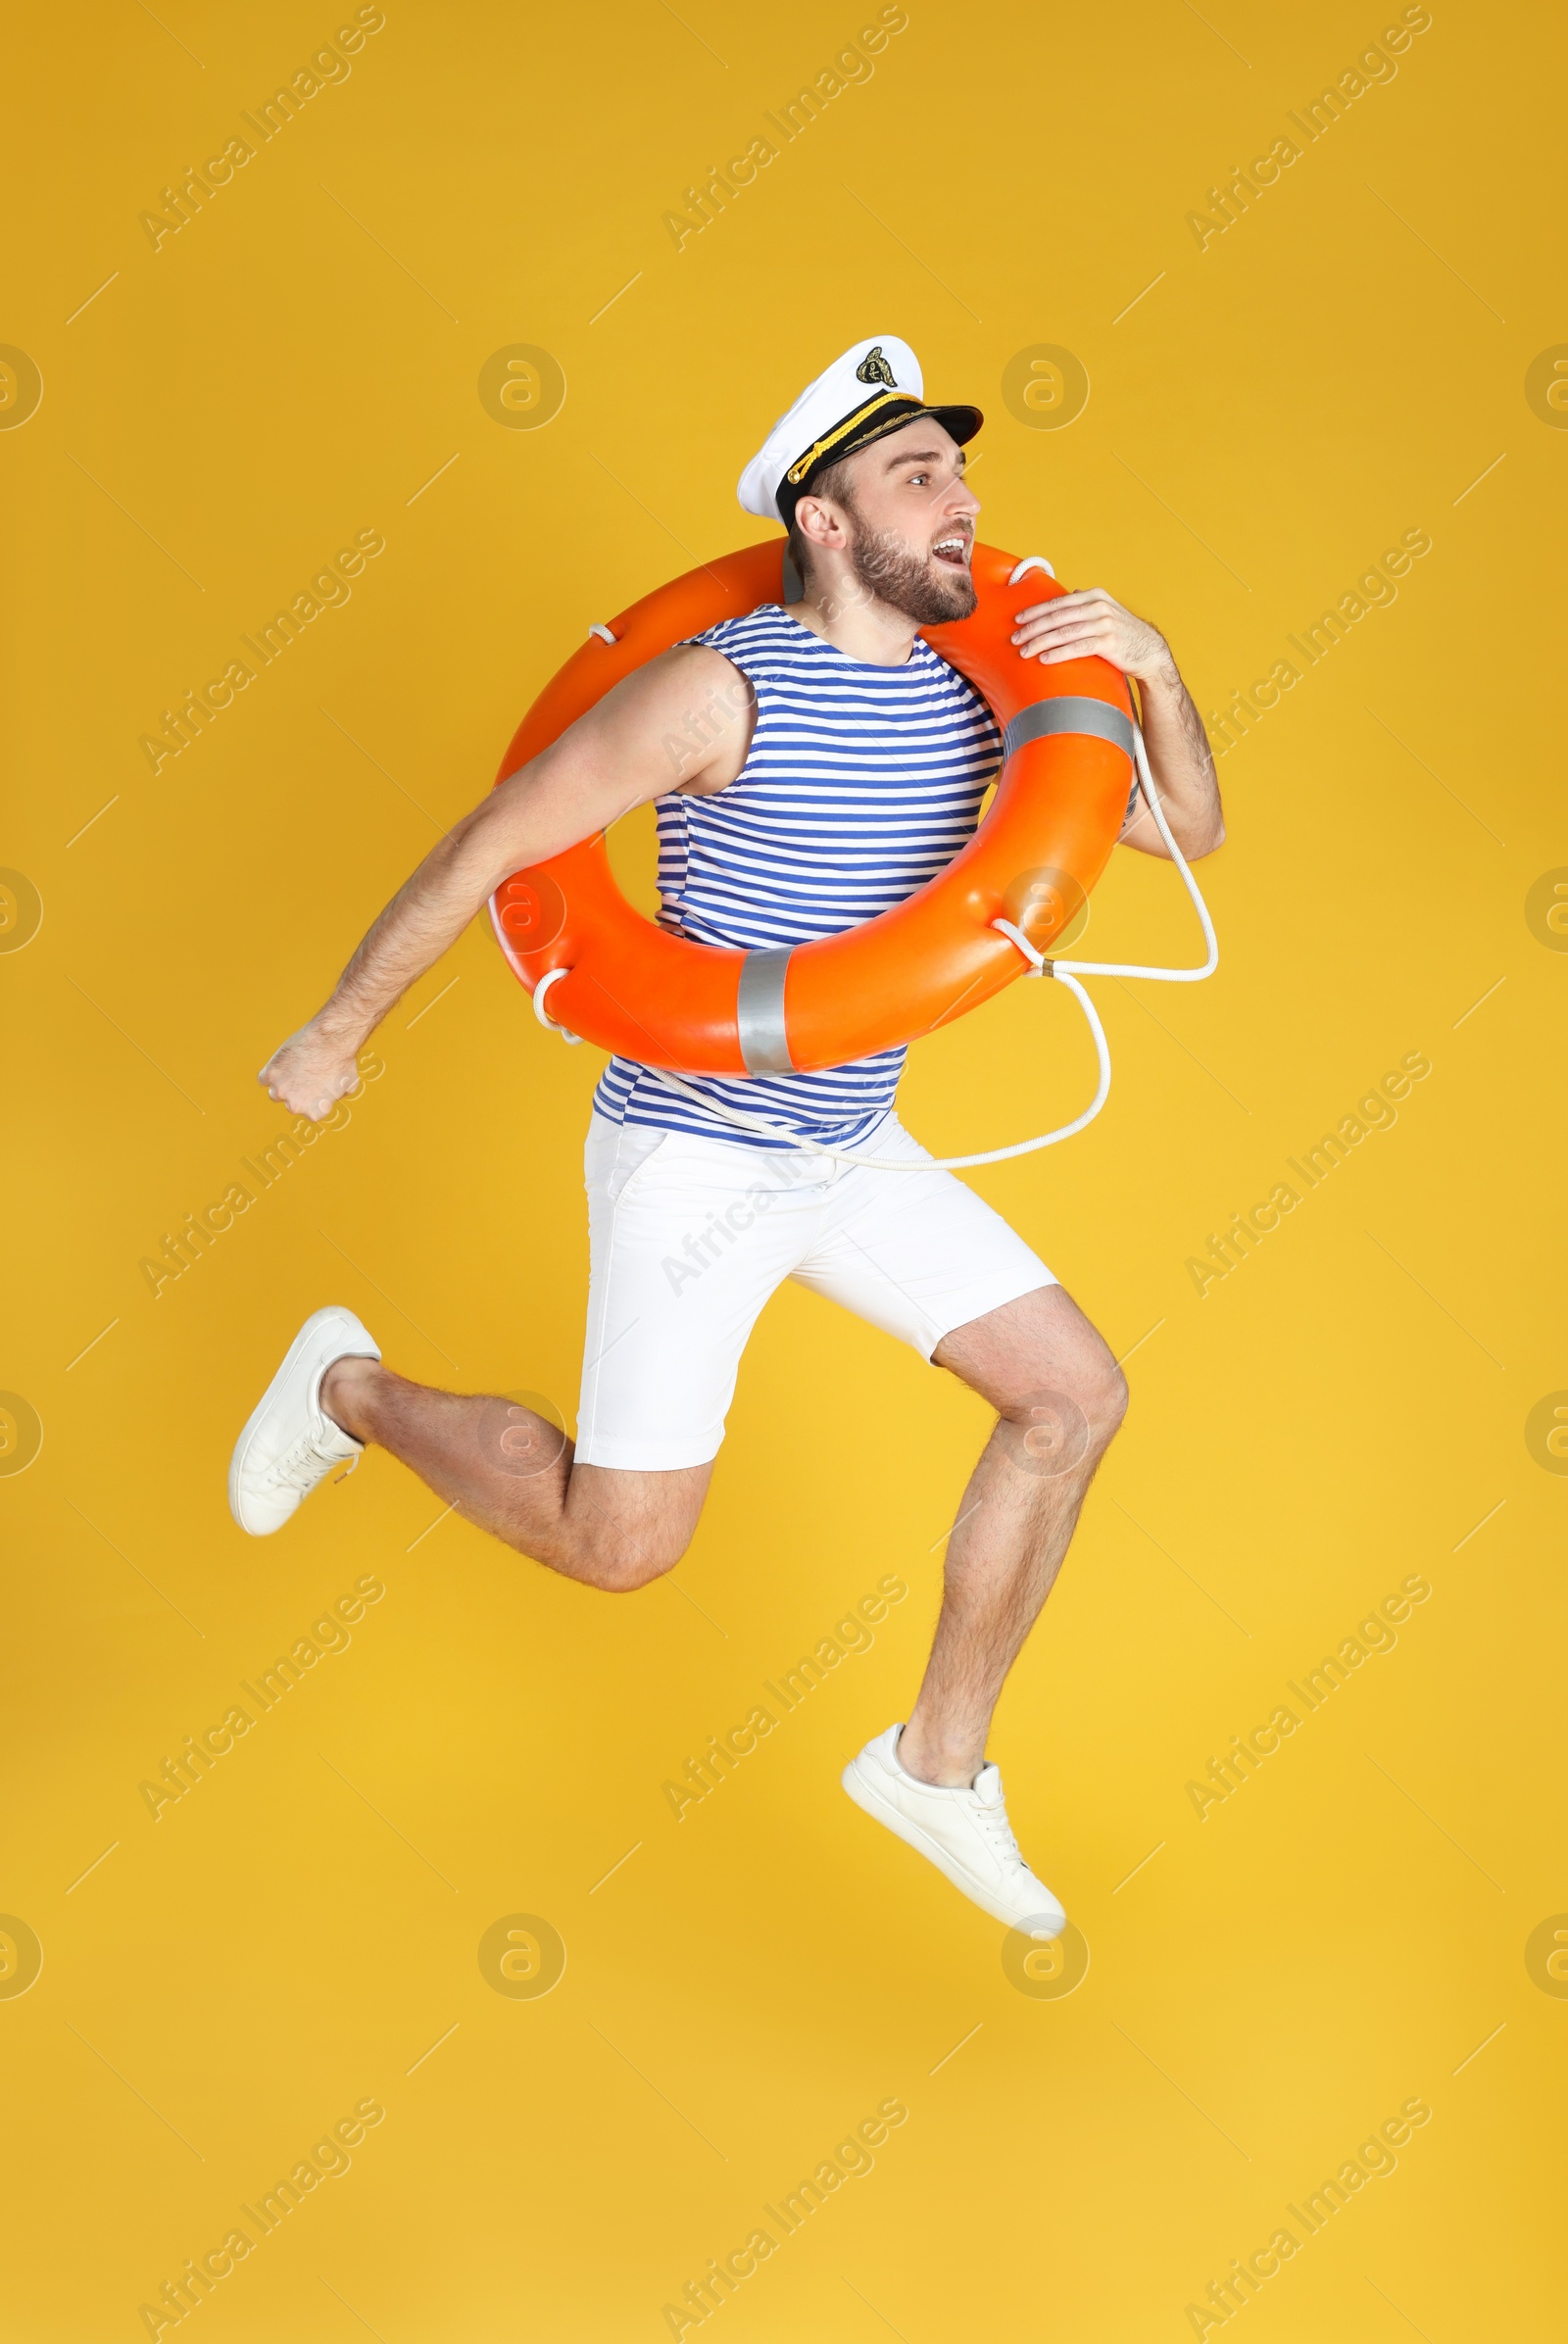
(952, 551)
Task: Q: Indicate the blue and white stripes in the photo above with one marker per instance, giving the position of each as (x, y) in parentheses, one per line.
(861, 783)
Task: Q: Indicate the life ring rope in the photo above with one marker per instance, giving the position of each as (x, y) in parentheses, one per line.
(541, 997)
(1126, 968)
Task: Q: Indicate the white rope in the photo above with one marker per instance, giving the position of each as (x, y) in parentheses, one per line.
(541, 998)
(1125, 968)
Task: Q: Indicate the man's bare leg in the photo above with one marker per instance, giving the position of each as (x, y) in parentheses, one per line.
(513, 1473)
(1059, 1398)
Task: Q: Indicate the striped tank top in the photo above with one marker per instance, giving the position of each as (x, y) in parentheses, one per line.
(860, 784)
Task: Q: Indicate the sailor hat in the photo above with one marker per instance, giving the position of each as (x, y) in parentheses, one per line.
(874, 388)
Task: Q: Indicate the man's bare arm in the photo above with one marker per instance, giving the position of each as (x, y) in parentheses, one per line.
(1071, 628)
(679, 724)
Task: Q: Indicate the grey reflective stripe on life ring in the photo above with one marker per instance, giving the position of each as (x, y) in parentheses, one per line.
(1069, 715)
(759, 1012)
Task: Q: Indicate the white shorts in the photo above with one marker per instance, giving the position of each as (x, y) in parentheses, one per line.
(688, 1238)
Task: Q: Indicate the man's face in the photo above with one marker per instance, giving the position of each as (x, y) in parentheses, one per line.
(910, 522)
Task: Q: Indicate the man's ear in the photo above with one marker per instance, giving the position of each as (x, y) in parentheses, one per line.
(817, 521)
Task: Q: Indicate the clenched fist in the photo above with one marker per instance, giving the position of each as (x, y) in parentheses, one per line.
(311, 1072)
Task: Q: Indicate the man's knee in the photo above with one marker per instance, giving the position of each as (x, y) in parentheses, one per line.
(618, 1553)
(623, 1571)
(1036, 1351)
(1102, 1395)
(616, 1561)
(1066, 1410)
(617, 1531)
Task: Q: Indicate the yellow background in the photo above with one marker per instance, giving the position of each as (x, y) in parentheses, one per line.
(295, 365)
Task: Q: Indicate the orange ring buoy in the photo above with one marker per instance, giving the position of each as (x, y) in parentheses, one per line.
(635, 989)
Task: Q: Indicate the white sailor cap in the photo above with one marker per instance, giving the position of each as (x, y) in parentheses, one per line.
(874, 388)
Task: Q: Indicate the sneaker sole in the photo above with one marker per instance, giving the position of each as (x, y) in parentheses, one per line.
(868, 1796)
(259, 1413)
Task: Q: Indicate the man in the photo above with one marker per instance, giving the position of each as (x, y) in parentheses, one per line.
(843, 766)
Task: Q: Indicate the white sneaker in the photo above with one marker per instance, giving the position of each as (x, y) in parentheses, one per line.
(964, 1832)
(289, 1446)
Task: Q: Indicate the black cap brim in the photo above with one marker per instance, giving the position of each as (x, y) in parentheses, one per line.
(960, 422)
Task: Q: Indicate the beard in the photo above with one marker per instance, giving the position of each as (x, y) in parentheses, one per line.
(922, 588)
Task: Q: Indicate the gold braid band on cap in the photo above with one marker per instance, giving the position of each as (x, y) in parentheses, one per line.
(798, 469)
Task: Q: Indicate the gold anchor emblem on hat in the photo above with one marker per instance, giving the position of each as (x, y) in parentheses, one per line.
(874, 368)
